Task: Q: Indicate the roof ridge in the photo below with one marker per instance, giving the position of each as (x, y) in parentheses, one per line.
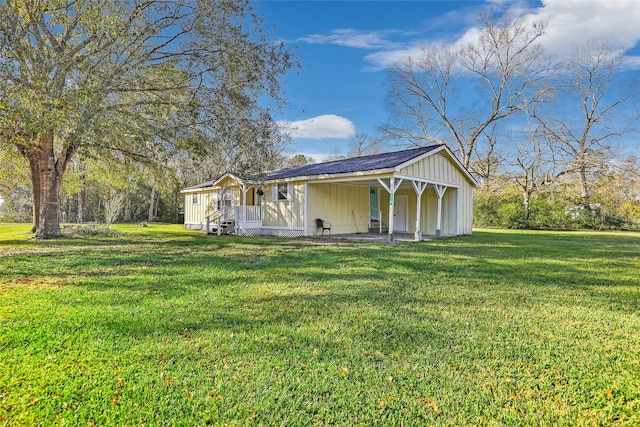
(380, 154)
(361, 157)
(354, 164)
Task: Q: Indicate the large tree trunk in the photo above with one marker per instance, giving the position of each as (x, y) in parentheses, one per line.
(151, 201)
(584, 183)
(31, 156)
(49, 223)
(526, 203)
(51, 172)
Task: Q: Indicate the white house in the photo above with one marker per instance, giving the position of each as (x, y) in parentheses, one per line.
(424, 191)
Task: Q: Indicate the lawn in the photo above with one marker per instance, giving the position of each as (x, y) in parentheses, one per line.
(163, 326)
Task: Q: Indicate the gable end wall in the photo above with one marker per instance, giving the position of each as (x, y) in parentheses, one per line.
(441, 169)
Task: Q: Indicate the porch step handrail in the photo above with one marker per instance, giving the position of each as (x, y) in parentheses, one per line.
(238, 214)
(378, 217)
(218, 217)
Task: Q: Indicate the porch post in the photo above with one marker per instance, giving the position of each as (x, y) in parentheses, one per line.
(391, 189)
(244, 206)
(305, 220)
(219, 229)
(392, 203)
(458, 212)
(440, 189)
(419, 188)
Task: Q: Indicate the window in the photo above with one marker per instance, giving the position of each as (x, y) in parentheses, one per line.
(282, 192)
(227, 200)
(195, 199)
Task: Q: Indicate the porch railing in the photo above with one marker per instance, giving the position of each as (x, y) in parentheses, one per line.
(248, 213)
(239, 214)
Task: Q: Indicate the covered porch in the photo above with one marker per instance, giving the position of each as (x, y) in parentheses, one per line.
(236, 207)
(388, 206)
(245, 219)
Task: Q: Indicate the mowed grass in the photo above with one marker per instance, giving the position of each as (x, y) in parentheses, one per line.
(164, 326)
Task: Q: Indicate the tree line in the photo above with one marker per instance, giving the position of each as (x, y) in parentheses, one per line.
(115, 106)
(543, 135)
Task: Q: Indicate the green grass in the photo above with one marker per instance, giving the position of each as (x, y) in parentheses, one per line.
(167, 327)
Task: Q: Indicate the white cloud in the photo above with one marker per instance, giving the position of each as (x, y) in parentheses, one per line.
(570, 23)
(327, 126)
(383, 59)
(352, 38)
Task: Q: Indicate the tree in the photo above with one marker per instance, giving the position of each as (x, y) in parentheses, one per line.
(12, 171)
(131, 76)
(587, 114)
(334, 155)
(14, 180)
(453, 94)
(362, 145)
(533, 167)
(299, 160)
(487, 159)
(617, 191)
(113, 205)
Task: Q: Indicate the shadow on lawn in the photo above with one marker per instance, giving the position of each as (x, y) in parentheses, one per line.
(182, 285)
(601, 267)
(306, 317)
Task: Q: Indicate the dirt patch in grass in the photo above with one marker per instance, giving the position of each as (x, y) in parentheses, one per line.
(38, 282)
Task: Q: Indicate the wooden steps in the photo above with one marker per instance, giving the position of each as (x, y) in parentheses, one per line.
(227, 227)
(375, 227)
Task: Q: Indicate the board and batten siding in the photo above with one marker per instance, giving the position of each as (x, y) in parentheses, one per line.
(284, 213)
(345, 206)
(441, 169)
(195, 213)
(230, 187)
(428, 213)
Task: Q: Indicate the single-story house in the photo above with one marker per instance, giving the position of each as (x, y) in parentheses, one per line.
(421, 191)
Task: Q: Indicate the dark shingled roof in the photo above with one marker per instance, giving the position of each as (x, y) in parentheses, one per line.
(356, 164)
(203, 185)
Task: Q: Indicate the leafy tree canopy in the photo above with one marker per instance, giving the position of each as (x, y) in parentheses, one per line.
(134, 76)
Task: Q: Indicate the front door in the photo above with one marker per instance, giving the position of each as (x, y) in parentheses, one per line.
(400, 213)
(373, 203)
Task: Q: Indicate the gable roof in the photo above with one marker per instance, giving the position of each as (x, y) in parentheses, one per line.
(355, 164)
(376, 162)
(213, 184)
(206, 184)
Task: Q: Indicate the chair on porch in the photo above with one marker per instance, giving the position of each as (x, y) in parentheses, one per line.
(324, 225)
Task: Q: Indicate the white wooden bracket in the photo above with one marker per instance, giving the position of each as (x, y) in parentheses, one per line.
(440, 189)
(418, 187)
(391, 189)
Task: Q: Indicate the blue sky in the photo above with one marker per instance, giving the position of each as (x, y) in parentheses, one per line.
(344, 47)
